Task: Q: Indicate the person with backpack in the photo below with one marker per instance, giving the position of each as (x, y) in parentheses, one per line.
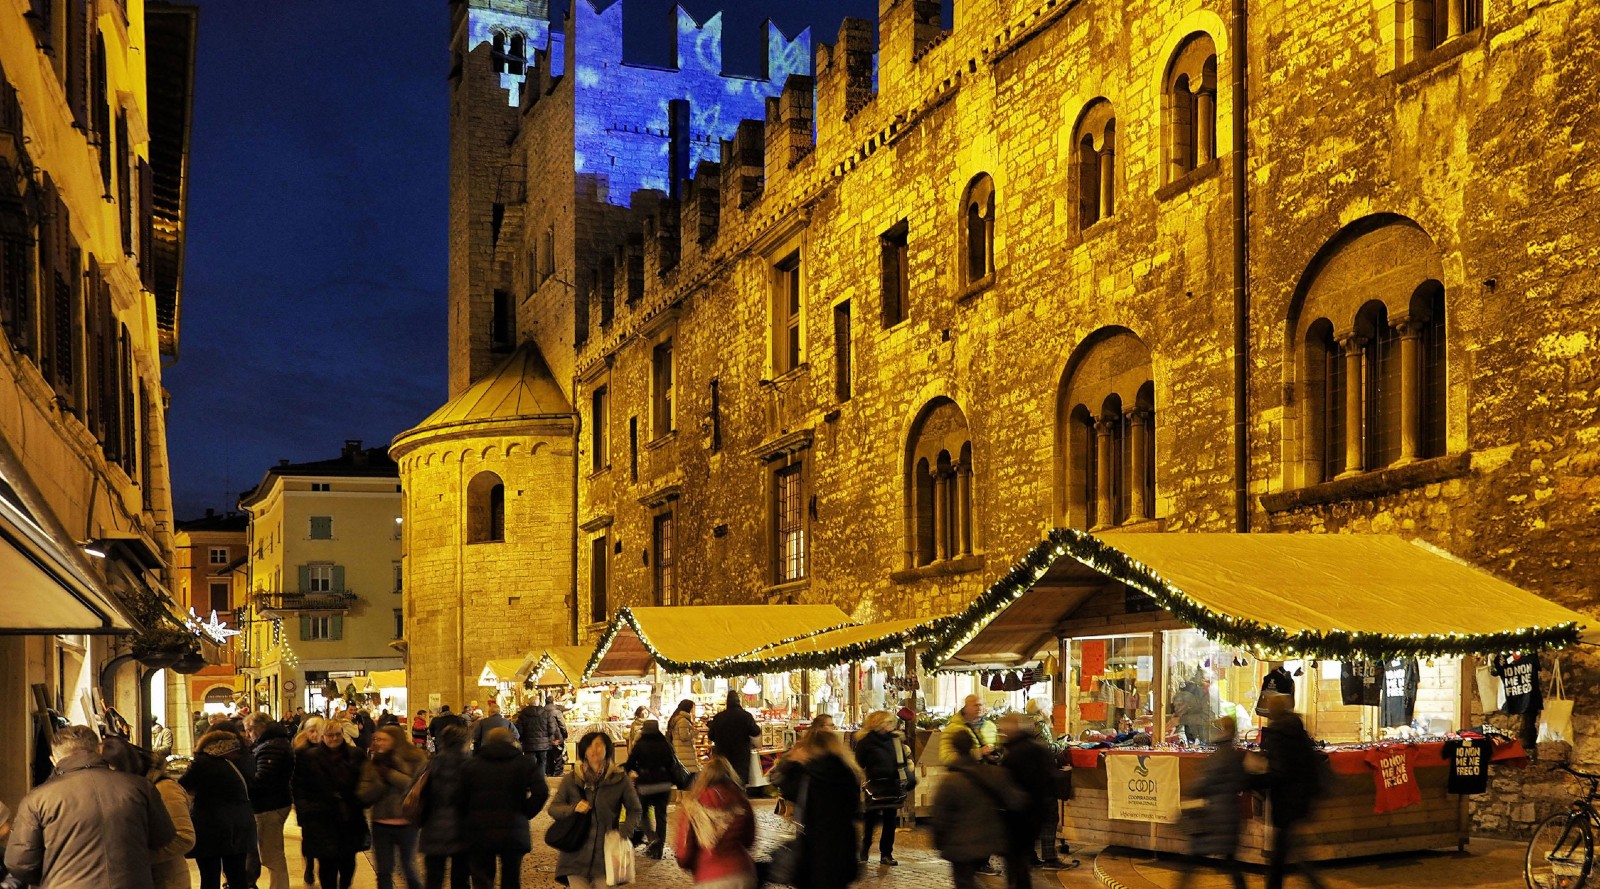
(654, 768)
(1293, 782)
(969, 811)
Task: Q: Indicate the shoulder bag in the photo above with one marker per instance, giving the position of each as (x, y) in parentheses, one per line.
(570, 832)
(414, 808)
(1556, 723)
(787, 855)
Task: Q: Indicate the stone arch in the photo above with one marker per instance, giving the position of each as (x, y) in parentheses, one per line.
(1094, 154)
(1366, 353)
(977, 229)
(938, 472)
(1189, 106)
(1105, 432)
(486, 509)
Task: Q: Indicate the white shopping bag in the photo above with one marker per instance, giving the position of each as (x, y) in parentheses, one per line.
(619, 859)
(758, 778)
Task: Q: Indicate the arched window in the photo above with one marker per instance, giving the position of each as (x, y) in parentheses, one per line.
(486, 509)
(978, 225)
(1094, 143)
(1190, 101)
(939, 487)
(517, 53)
(1107, 426)
(497, 52)
(1369, 323)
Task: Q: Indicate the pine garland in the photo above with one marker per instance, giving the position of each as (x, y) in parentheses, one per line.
(1227, 629)
(625, 618)
(821, 659)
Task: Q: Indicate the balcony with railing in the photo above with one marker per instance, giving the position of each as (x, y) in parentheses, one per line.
(326, 601)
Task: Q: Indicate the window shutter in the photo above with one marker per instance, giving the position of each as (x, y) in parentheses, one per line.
(147, 227)
(305, 624)
(336, 627)
(78, 61)
(338, 578)
(305, 578)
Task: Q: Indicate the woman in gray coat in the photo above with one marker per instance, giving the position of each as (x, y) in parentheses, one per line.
(599, 787)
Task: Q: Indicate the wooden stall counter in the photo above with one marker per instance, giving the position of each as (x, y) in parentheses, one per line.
(1343, 825)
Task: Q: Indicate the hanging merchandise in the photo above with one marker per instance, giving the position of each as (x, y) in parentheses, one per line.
(1556, 723)
(1400, 680)
(1488, 687)
(1358, 683)
(1394, 776)
(1013, 682)
(1519, 674)
(1468, 762)
(1051, 667)
(1276, 682)
(997, 683)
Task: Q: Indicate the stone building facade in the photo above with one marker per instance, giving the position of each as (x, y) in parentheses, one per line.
(1205, 266)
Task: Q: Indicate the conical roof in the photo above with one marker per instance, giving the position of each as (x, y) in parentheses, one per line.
(519, 387)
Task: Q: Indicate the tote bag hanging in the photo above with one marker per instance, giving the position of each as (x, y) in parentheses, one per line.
(1488, 688)
(1555, 724)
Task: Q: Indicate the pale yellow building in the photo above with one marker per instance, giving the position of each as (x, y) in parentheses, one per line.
(94, 123)
(324, 557)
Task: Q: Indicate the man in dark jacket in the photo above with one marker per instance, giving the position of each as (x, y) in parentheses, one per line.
(969, 811)
(445, 718)
(270, 794)
(1293, 783)
(732, 733)
(492, 719)
(499, 794)
(1032, 766)
(88, 826)
(541, 729)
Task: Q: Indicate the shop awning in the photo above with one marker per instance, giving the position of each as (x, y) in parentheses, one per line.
(690, 638)
(42, 590)
(378, 680)
(508, 669)
(1314, 595)
(834, 647)
(560, 666)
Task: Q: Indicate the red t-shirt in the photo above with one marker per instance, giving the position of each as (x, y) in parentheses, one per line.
(1395, 777)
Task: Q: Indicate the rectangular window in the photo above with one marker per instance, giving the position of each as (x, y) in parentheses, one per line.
(320, 578)
(599, 455)
(786, 341)
(220, 600)
(896, 273)
(321, 627)
(219, 555)
(321, 486)
(789, 523)
(547, 253)
(841, 351)
(661, 381)
(661, 542)
(633, 449)
(635, 274)
(598, 579)
(322, 527)
(399, 525)
(399, 576)
(399, 623)
(503, 322)
(606, 290)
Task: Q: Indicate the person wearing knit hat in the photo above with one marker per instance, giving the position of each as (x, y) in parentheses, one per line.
(224, 822)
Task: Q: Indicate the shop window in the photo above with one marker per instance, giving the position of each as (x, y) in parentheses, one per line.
(789, 523)
(599, 579)
(665, 565)
(486, 509)
(787, 334)
(977, 207)
(939, 508)
(1110, 685)
(1094, 143)
(1190, 102)
(894, 258)
(1107, 433)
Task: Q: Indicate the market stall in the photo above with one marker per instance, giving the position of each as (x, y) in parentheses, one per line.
(1157, 634)
(390, 688)
(671, 649)
(505, 676)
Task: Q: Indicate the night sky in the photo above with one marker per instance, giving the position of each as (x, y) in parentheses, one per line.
(314, 294)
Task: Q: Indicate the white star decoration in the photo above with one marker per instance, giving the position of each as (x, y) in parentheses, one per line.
(214, 629)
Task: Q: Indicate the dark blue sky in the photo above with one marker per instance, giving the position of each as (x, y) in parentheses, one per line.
(314, 293)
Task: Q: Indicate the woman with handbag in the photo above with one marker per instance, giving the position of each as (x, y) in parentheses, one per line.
(443, 839)
(501, 791)
(717, 830)
(881, 756)
(653, 767)
(598, 794)
(327, 803)
(681, 732)
(396, 765)
(823, 779)
(224, 822)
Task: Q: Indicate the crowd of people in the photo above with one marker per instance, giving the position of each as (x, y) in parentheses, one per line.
(459, 792)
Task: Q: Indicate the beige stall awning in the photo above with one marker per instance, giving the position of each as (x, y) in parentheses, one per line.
(1315, 595)
(505, 669)
(41, 590)
(690, 638)
(561, 665)
(844, 645)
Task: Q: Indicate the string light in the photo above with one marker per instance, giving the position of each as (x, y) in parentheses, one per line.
(626, 619)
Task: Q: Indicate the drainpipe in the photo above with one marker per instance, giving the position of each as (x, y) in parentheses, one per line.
(1241, 294)
(577, 430)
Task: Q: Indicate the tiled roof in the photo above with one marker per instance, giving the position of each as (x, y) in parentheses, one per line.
(520, 386)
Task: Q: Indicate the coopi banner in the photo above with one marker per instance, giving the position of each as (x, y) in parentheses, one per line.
(1142, 787)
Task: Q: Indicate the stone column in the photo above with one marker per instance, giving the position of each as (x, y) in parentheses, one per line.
(1410, 390)
(1107, 180)
(941, 514)
(1138, 421)
(1454, 14)
(1104, 514)
(1354, 395)
(1205, 126)
(963, 509)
